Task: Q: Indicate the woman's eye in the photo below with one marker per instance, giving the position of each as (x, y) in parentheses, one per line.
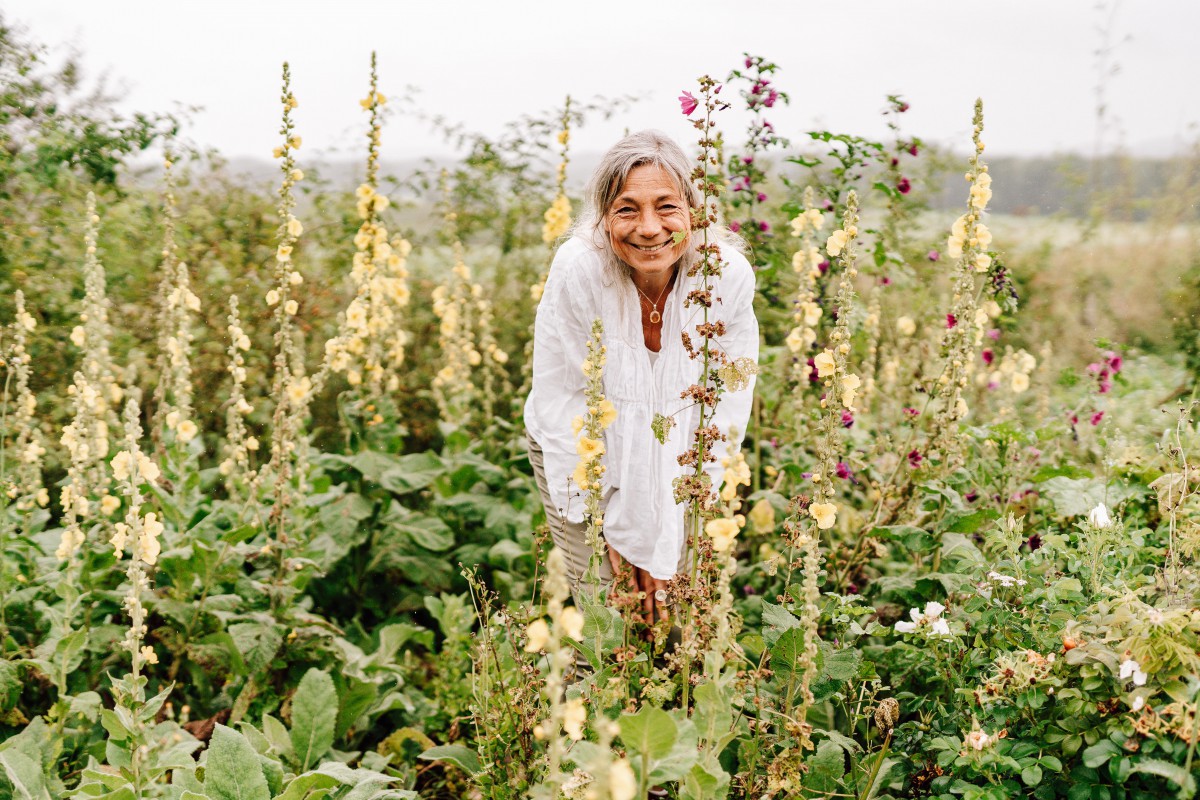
(668, 208)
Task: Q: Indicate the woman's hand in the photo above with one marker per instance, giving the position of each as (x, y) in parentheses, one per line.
(643, 582)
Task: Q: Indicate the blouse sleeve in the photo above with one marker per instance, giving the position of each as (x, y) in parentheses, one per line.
(556, 397)
(740, 341)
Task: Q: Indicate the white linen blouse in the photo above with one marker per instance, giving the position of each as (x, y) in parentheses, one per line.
(642, 522)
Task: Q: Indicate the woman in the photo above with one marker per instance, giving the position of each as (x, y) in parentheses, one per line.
(626, 264)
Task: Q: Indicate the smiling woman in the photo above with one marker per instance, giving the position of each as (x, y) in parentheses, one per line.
(628, 265)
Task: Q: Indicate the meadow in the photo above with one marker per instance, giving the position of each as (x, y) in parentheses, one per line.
(270, 530)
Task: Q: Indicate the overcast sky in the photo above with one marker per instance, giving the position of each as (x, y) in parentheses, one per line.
(484, 62)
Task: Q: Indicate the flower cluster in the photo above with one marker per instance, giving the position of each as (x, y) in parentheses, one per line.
(370, 346)
(806, 262)
(589, 430)
(239, 444)
(141, 532)
(748, 179)
(968, 243)
(558, 215)
(93, 334)
(177, 302)
(456, 304)
(930, 621)
(26, 488)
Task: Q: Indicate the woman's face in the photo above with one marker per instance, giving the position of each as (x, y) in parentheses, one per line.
(641, 221)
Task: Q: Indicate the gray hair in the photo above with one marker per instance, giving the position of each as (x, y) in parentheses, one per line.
(643, 148)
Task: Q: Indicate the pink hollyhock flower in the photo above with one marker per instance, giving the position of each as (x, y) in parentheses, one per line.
(749, 62)
(688, 103)
(933, 255)
(1114, 361)
(764, 226)
(994, 334)
(847, 418)
(951, 320)
(1105, 386)
(912, 151)
(772, 96)
(843, 470)
(911, 412)
(761, 197)
(1074, 419)
(735, 226)
(904, 187)
(885, 281)
(971, 496)
(1099, 415)
(915, 458)
(988, 356)
(747, 159)
(823, 267)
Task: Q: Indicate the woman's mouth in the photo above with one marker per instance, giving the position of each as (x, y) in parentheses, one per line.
(651, 248)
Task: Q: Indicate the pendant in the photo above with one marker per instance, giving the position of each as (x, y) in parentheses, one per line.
(655, 317)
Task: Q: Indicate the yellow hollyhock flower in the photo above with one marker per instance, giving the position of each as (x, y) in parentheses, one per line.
(825, 364)
(589, 448)
(824, 513)
(537, 636)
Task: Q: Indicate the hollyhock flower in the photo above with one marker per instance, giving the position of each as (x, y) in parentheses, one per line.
(988, 356)
(912, 150)
(933, 255)
(915, 458)
(994, 334)
(843, 470)
(951, 320)
(772, 96)
(911, 412)
(688, 103)
(1099, 415)
(971, 496)
(885, 281)
(824, 513)
(747, 159)
(764, 226)
(735, 226)
(904, 186)
(847, 418)
(823, 267)
(1114, 361)
(760, 197)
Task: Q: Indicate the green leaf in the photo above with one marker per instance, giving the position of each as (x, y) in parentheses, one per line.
(462, 757)
(10, 685)
(258, 642)
(24, 776)
(1099, 753)
(314, 716)
(1172, 772)
(300, 786)
(775, 620)
(786, 653)
(650, 731)
(355, 701)
(1031, 776)
(826, 767)
(231, 768)
(713, 714)
(842, 665)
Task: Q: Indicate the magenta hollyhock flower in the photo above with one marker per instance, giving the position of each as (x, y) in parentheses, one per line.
(912, 151)
(951, 320)
(933, 255)
(740, 183)
(994, 334)
(1074, 419)
(688, 103)
(761, 197)
(764, 226)
(813, 377)
(1099, 415)
(904, 187)
(1105, 386)
(885, 281)
(915, 458)
(847, 418)
(992, 386)
(843, 470)
(971, 496)
(911, 412)
(772, 96)
(735, 226)
(1114, 361)
(747, 159)
(988, 356)
(749, 62)
(823, 267)
(895, 162)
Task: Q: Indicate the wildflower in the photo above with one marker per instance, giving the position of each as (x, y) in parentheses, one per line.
(914, 458)
(763, 516)
(905, 326)
(951, 321)
(1130, 669)
(589, 448)
(572, 622)
(148, 655)
(1099, 415)
(931, 616)
(824, 513)
(687, 103)
(933, 255)
(186, 431)
(622, 783)
(1098, 516)
(825, 364)
(850, 386)
(537, 636)
(836, 241)
(722, 531)
(904, 186)
(608, 413)
(574, 717)
(1020, 382)
(272, 297)
(109, 504)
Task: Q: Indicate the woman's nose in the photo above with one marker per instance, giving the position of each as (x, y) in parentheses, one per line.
(648, 223)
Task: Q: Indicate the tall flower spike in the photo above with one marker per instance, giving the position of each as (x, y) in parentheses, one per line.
(94, 333)
(236, 467)
(589, 474)
(28, 444)
(806, 312)
(177, 304)
(454, 303)
(968, 244)
(370, 346)
(290, 388)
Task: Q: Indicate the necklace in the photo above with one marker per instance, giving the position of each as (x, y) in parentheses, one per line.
(655, 317)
